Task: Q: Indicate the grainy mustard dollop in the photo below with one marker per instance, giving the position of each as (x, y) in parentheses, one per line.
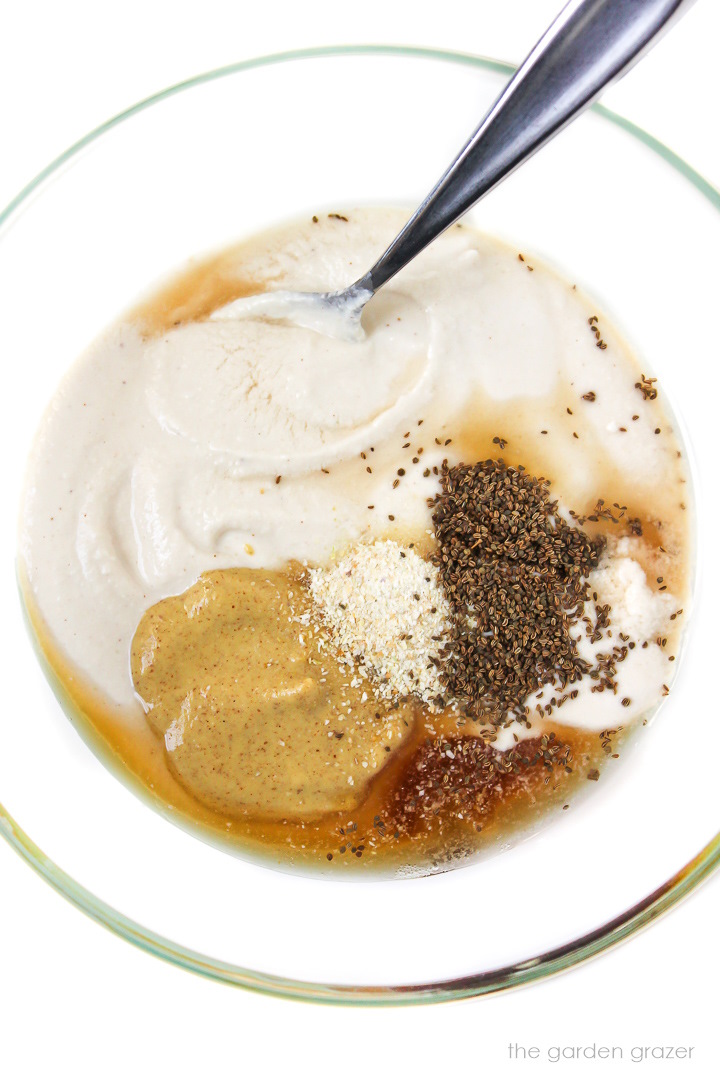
(256, 719)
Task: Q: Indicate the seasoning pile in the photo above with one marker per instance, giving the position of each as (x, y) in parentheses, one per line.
(506, 616)
(388, 616)
(514, 572)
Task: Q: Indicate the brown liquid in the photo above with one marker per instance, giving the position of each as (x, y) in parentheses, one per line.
(193, 295)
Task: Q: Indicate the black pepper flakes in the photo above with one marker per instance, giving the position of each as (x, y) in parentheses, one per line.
(507, 557)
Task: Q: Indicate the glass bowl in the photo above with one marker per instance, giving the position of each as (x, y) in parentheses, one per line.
(190, 171)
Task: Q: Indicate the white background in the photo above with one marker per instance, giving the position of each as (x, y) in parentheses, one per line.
(74, 997)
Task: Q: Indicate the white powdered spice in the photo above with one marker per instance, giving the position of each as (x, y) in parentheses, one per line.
(635, 608)
(385, 611)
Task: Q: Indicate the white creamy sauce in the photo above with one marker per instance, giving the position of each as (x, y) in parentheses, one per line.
(158, 457)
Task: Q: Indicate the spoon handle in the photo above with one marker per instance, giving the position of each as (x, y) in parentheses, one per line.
(591, 43)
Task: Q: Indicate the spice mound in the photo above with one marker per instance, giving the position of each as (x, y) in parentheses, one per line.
(515, 573)
(386, 615)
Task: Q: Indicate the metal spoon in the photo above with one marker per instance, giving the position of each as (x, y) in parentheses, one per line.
(590, 44)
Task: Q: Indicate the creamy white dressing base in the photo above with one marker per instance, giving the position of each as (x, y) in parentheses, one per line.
(159, 456)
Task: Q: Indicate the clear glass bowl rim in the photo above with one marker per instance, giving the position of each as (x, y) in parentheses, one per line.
(557, 960)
